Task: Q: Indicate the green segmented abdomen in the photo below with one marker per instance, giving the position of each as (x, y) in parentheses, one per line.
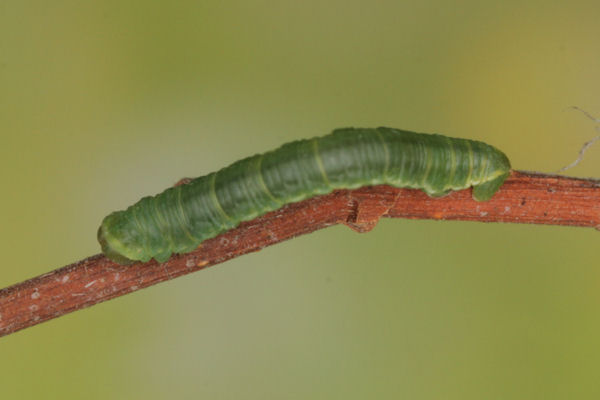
(180, 218)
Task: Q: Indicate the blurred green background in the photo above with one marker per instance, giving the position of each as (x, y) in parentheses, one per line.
(103, 102)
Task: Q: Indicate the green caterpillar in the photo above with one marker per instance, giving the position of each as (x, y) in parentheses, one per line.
(180, 218)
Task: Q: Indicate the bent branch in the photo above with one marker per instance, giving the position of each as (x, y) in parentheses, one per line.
(524, 198)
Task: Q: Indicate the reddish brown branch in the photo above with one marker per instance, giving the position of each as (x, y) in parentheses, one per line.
(524, 198)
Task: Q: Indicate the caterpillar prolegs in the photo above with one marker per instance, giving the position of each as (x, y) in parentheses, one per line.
(180, 218)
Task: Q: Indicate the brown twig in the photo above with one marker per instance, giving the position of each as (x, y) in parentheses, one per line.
(524, 198)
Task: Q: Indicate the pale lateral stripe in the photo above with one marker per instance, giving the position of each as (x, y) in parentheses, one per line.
(400, 179)
(213, 196)
(182, 217)
(320, 161)
(452, 161)
(163, 222)
(142, 229)
(387, 153)
(468, 182)
(262, 181)
(428, 167)
(484, 165)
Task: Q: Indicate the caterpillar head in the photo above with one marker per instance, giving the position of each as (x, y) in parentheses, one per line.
(116, 239)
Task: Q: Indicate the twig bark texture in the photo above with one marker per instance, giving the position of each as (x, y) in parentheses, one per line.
(524, 198)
